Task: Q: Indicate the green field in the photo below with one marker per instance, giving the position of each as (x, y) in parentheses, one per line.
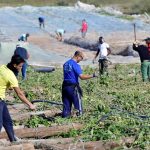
(127, 6)
(114, 107)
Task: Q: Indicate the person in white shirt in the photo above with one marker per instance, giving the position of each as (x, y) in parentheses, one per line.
(103, 51)
(59, 34)
(24, 37)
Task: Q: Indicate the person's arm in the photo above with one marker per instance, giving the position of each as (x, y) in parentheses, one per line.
(80, 30)
(28, 55)
(86, 76)
(109, 51)
(23, 98)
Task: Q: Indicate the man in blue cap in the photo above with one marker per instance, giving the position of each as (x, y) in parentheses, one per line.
(144, 53)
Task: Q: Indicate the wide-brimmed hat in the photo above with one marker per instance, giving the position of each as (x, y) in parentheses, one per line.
(147, 39)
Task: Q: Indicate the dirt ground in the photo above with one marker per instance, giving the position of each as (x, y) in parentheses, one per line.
(49, 43)
(116, 40)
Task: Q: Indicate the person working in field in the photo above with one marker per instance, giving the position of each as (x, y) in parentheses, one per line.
(71, 91)
(9, 80)
(59, 34)
(24, 37)
(103, 51)
(22, 52)
(144, 53)
(41, 22)
(84, 28)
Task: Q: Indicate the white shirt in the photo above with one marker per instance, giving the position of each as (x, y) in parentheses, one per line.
(61, 31)
(103, 50)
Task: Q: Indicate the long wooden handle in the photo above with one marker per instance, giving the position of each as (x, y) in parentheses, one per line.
(134, 31)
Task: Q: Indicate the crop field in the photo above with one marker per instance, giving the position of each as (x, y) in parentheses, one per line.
(115, 107)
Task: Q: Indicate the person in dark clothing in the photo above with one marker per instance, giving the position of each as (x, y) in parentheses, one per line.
(22, 52)
(41, 22)
(24, 37)
(9, 80)
(71, 91)
(144, 53)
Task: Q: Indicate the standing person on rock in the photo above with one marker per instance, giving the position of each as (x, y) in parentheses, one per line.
(84, 28)
(103, 51)
(71, 91)
(144, 53)
(9, 80)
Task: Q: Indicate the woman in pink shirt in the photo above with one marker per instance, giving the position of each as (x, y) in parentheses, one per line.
(84, 28)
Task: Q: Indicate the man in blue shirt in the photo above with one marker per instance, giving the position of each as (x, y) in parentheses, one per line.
(71, 91)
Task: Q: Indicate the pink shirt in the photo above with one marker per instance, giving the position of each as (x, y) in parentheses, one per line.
(84, 27)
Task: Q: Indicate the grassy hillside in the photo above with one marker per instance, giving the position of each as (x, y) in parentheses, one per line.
(114, 107)
(127, 6)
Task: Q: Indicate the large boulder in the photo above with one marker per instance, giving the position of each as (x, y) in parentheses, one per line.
(83, 43)
(128, 51)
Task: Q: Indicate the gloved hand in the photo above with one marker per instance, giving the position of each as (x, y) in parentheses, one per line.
(95, 75)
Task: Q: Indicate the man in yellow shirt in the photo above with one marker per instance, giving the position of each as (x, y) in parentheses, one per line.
(9, 80)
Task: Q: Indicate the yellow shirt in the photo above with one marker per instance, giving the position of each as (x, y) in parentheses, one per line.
(7, 80)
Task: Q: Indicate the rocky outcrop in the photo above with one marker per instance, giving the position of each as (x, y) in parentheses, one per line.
(120, 49)
(83, 43)
(128, 51)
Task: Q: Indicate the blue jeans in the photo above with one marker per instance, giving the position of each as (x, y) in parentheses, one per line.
(6, 121)
(71, 96)
(24, 70)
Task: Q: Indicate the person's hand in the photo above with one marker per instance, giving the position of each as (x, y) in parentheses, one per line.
(32, 107)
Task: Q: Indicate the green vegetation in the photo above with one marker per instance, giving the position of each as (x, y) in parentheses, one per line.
(127, 6)
(114, 107)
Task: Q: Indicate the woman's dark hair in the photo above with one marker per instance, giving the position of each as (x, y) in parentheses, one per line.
(15, 60)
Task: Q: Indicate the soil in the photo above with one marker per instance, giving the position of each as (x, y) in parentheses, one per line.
(116, 40)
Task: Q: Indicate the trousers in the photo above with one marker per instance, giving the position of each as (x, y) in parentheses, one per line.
(71, 95)
(6, 121)
(103, 66)
(145, 70)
